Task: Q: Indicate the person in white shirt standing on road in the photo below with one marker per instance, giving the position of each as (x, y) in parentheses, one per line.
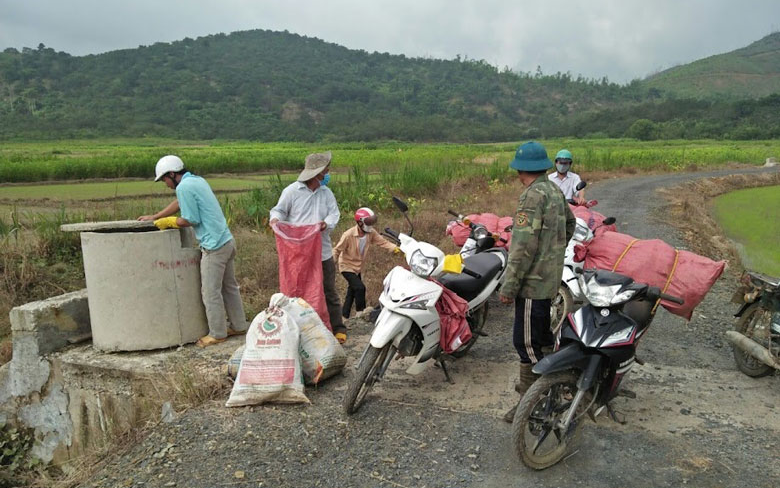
(566, 179)
(310, 201)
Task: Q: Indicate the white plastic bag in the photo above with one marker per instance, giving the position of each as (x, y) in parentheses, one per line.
(321, 354)
(270, 369)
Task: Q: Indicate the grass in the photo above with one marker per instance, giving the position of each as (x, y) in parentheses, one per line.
(751, 217)
(75, 160)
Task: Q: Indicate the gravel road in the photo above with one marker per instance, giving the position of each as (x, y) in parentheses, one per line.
(696, 420)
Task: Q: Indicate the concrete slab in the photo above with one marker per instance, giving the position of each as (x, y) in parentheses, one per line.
(56, 321)
(112, 393)
(110, 226)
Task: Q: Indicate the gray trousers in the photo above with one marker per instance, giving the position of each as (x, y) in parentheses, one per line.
(219, 290)
(332, 296)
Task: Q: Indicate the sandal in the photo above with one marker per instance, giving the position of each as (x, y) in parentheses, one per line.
(206, 341)
(232, 332)
(341, 337)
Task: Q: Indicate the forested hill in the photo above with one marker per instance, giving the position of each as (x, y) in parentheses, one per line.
(750, 72)
(264, 85)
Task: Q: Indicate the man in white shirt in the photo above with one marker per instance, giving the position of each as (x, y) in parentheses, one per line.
(566, 179)
(310, 201)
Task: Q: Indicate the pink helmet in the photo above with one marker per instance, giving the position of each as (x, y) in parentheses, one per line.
(365, 215)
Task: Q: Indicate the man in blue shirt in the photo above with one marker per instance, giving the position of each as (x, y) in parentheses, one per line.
(200, 209)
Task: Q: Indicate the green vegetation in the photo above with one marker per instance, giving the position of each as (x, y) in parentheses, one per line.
(276, 86)
(113, 189)
(750, 72)
(69, 160)
(751, 218)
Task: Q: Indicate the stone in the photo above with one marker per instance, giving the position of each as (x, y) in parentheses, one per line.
(28, 371)
(51, 422)
(168, 415)
(54, 322)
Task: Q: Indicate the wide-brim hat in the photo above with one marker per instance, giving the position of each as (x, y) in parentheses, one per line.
(531, 156)
(315, 163)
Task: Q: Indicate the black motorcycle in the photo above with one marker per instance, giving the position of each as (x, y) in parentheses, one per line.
(595, 349)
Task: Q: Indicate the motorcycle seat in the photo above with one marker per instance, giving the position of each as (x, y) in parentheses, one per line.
(467, 287)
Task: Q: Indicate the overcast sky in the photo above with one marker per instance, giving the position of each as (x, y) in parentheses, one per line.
(621, 39)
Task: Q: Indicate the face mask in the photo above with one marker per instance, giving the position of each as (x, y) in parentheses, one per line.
(367, 228)
(324, 181)
(562, 168)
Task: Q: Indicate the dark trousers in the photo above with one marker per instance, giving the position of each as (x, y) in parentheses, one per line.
(356, 291)
(332, 296)
(532, 329)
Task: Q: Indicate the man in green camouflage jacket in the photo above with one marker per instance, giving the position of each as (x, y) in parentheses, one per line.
(542, 227)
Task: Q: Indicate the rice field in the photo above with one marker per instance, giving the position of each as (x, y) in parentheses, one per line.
(88, 159)
(751, 218)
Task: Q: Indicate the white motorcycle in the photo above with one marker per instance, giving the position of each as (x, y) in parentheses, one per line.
(570, 296)
(409, 324)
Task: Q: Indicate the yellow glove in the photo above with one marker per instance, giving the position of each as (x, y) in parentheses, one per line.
(397, 250)
(453, 263)
(166, 223)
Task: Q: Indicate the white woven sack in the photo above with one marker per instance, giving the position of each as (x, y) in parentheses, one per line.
(321, 354)
(270, 369)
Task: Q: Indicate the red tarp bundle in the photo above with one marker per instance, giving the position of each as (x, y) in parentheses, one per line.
(455, 330)
(592, 218)
(678, 273)
(300, 265)
(460, 232)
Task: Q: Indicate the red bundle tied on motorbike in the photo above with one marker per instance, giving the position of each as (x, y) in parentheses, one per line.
(678, 273)
(592, 218)
(455, 330)
(300, 265)
(492, 222)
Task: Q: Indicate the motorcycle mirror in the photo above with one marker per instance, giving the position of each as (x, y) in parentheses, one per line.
(400, 204)
(609, 221)
(581, 185)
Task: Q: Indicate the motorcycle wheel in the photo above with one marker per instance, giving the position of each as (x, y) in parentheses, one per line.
(366, 375)
(477, 324)
(755, 320)
(560, 307)
(540, 410)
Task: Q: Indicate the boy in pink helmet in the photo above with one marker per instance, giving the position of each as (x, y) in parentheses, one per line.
(350, 254)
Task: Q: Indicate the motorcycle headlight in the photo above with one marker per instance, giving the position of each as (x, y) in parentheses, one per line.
(421, 264)
(622, 297)
(600, 295)
(480, 233)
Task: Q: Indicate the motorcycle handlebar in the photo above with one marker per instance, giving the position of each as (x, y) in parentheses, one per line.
(389, 232)
(453, 213)
(473, 274)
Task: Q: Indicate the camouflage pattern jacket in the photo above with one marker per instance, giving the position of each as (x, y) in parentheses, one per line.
(542, 227)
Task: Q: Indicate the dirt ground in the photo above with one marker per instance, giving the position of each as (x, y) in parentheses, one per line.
(695, 421)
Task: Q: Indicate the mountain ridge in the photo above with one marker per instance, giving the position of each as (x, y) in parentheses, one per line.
(276, 86)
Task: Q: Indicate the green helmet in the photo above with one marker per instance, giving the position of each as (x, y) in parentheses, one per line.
(563, 154)
(531, 156)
